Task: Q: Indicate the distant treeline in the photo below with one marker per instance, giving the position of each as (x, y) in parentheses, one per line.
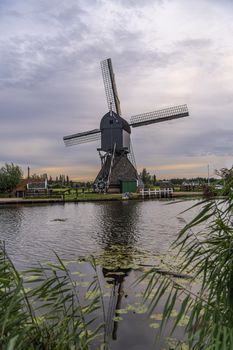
(151, 180)
(11, 175)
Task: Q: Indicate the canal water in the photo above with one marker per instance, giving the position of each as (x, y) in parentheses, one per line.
(78, 230)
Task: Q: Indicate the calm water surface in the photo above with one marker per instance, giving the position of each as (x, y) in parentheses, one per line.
(33, 233)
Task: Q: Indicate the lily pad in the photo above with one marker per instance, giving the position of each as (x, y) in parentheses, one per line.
(154, 325)
(117, 318)
(122, 311)
(157, 317)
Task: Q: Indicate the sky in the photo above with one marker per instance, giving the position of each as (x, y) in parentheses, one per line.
(164, 53)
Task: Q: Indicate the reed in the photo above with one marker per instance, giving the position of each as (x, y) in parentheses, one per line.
(42, 308)
(205, 248)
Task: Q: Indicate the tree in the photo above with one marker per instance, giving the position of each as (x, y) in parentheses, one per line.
(35, 177)
(227, 176)
(154, 180)
(10, 176)
(146, 177)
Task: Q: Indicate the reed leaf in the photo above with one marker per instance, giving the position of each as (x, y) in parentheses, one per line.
(49, 314)
(208, 252)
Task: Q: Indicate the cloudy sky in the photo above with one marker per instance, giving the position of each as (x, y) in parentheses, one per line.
(164, 53)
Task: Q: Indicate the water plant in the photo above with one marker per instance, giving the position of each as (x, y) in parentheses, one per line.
(206, 251)
(58, 306)
(49, 313)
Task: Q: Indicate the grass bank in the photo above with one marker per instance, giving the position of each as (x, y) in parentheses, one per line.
(91, 197)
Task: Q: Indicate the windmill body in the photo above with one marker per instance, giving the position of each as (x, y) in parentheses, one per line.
(115, 133)
(116, 154)
(115, 143)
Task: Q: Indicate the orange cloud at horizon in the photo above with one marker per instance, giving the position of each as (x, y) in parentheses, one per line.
(89, 172)
(179, 170)
(178, 166)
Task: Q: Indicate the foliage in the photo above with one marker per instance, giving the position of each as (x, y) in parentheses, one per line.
(206, 249)
(45, 316)
(197, 180)
(147, 178)
(10, 176)
(36, 177)
(227, 176)
(209, 191)
(49, 314)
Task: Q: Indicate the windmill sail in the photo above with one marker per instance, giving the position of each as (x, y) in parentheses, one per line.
(110, 86)
(82, 137)
(159, 116)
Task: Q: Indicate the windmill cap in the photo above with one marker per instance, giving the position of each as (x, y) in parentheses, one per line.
(115, 121)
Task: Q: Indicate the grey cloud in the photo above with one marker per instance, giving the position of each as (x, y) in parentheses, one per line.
(213, 142)
(140, 3)
(190, 144)
(51, 86)
(10, 13)
(46, 151)
(192, 43)
(28, 59)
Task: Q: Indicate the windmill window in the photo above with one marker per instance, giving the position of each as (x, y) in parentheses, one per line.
(110, 121)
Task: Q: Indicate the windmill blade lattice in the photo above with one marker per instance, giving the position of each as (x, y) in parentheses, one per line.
(131, 156)
(110, 86)
(82, 137)
(159, 116)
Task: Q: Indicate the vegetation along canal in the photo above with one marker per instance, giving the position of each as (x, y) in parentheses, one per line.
(126, 235)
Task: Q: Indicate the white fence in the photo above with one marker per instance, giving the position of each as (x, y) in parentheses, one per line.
(162, 193)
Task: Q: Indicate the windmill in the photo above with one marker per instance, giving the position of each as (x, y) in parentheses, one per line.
(116, 153)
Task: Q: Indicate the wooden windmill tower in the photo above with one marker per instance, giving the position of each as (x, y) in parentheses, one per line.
(117, 160)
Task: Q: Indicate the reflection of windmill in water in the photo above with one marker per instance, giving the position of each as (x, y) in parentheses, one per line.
(117, 159)
(117, 223)
(118, 235)
(117, 277)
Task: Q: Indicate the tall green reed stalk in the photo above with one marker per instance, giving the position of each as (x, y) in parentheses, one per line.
(205, 247)
(49, 313)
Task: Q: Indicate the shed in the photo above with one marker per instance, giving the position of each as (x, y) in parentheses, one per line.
(128, 186)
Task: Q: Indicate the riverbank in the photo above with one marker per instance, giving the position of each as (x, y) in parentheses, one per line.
(90, 197)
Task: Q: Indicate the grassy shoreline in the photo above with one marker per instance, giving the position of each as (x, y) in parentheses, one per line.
(94, 197)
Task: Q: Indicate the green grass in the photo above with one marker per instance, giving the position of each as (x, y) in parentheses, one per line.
(92, 196)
